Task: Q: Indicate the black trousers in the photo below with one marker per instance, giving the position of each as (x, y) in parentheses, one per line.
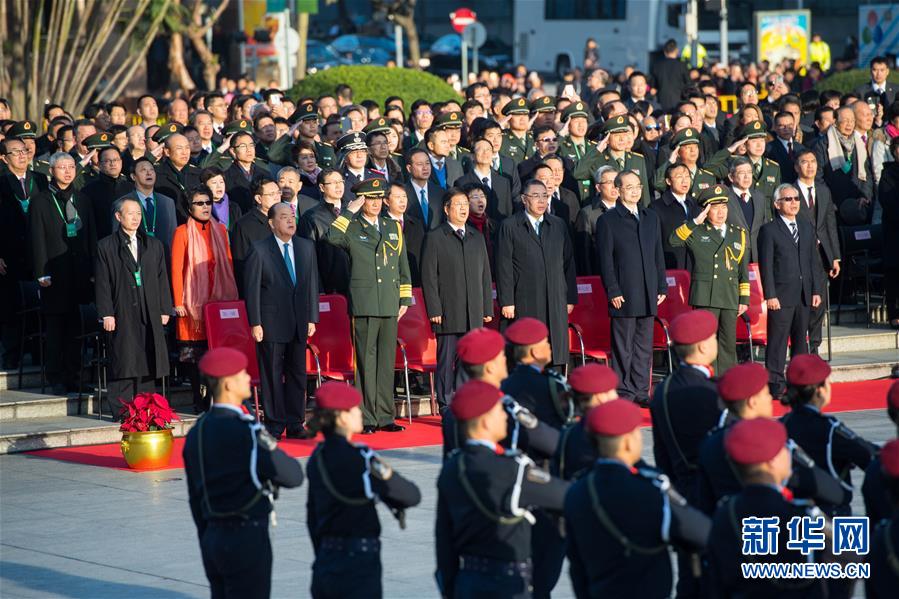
(891, 284)
(816, 317)
(346, 575)
(63, 349)
(547, 553)
(448, 376)
(479, 585)
(632, 356)
(119, 390)
(790, 323)
(238, 561)
(282, 380)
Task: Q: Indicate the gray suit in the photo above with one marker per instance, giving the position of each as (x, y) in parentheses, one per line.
(761, 215)
(165, 220)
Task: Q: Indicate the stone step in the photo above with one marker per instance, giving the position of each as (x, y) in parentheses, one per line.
(31, 377)
(845, 339)
(29, 404)
(863, 365)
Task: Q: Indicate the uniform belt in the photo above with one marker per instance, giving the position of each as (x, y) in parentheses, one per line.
(495, 567)
(238, 522)
(351, 544)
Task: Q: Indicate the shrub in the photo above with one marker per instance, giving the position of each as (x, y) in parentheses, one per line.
(847, 81)
(376, 83)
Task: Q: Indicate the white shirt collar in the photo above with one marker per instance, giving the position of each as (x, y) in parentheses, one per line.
(784, 142)
(680, 198)
(533, 220)
(418, 190)
(786, 221)
(455, 228)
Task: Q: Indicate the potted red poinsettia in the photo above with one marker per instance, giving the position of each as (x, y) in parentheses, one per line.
(147, 431)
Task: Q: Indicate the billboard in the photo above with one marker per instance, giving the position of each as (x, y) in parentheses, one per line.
(783, 34)
(878, 31)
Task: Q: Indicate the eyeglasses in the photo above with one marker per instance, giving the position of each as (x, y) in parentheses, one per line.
(459, 205)
(547, 140)
(270, 194)
(630, 188)
(206, 203)
(537, 196)
(111, 161)
(245, 146)
(423, 112)
(334, 183)
(17, 152)
(652, 127)
(789, 199)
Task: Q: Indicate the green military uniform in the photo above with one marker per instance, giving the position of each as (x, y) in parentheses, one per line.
(720, 279)
(586, 166)
(701, 178)
(84, 174)
(573, 151)
(517, 148)
(23, 130)
(380, 283)
(279, 150)
(766, 178)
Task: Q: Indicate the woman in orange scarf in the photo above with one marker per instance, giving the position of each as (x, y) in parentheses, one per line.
(202, 272)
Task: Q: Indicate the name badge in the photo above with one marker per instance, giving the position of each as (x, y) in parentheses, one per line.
(770, 179)
(738, 246)
(71, 230)
(138, 281)
(363, 238)
(705, 238)
(703, 186)
(392, 236)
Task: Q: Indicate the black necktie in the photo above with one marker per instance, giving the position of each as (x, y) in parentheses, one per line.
(795, 231)
(811, 198)
(460, 234)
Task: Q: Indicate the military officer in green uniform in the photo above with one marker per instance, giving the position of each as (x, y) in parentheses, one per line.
(765, 172)
(720, 277)
(544, 111)
(380, 293)
(613, 151)
(451, 122)
(26, 132)
(575, 145)
(86, 172)
(518, 143)
(304, 121)
(686, 150)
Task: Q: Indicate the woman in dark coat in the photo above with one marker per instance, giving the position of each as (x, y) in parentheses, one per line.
(888, 194)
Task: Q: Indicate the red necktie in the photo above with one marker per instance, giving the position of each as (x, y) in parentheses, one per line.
(811, 198)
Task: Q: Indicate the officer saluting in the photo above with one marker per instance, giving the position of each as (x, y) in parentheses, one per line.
(614, 151)
(231, 504)
(720, 277)
(621, 520)
(483, 531)
(345, 482)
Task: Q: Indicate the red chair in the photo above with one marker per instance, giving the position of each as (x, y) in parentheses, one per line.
(329, 352)
(589, 327)
(227, 326)
(416, 347)
(677, 302)
(752, 327)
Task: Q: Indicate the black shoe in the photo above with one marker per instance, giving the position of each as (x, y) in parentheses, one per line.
(369, 430)
(392, 428)
(300, 433)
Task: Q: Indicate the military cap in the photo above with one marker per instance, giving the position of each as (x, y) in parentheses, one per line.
(616, 124)
(544, 104)
(742, 381)
(377, 126)
(576, 109)
(479, 346)
(371, 188)
(303, 112)
(684, 137)
(593, 378)
(448, 120)
(241, 126)
(807, 369)
(716, 194)
(614, 418)
(755, 441)
(526, 331)
(335, 395)
(166, 131)
(98, 141)
(889, 458)
(753, 129)
(474, 398)
(354, 140)
(516, 106)
(693, 326)
(893, 396)
(222, 361)
(22, 130)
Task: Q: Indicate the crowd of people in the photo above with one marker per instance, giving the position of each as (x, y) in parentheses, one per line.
(273, 200)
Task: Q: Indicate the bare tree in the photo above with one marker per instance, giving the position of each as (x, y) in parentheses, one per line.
(190, 23)
(402, 12)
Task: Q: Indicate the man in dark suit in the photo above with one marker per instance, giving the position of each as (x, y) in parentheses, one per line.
(253, 226)
(444, 169)
(502, 164)
(880, 71)
(158, 211)
(396, 206)
(563, 203)
(671, 76)
(784, 148)
(244, 171)
(535, 268)
(673, 208)
(635, 284)
(333, 262)
(791, 281)
(816, 205)
(455, 273)
(585, 225)
(500, 202)
(175, 176)
(425, 196)
(104, 189)
(748, 207)
(281, 289)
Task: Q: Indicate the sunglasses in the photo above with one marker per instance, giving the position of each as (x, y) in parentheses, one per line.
(547, 140)
(652, 127)
(789, 199)
(206, 203)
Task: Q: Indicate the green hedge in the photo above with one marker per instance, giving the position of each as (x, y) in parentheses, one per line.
(847, 81)
(376, 83)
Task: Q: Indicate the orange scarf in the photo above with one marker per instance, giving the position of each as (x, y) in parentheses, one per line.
(196, 279)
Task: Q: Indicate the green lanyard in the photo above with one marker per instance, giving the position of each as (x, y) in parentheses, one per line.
(577, 152)
(150, 231)
(24, 202)
(71, 227)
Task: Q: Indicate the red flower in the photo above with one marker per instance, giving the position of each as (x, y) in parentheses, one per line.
(146, 412)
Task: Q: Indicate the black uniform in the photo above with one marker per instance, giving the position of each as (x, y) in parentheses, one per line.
(874, 491)
(483, 532)
(883, 559)
(619, 523)
(345, 483)
(231, 503)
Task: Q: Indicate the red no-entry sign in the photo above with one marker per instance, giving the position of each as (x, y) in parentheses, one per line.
(462, 18)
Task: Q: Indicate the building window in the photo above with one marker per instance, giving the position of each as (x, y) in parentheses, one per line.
(585, 9)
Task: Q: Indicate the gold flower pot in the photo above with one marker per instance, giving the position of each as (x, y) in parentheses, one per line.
(147, 450)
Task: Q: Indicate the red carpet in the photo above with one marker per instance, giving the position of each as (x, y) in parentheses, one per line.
(424, 431)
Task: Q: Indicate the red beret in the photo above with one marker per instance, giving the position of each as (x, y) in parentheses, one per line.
(334, 395)
(755, 441)
(889, 458)
(474, 399)
(742, 381)
(222, 361)
(614, 418)
(526, 331)
(480, 346)
(807, 369)
(693, 326)
(593, 378)
(893, 396)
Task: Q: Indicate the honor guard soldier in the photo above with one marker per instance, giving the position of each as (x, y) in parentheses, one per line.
(747, 525)
(380, 293)
(877, 500)
(518, 143)
(482, 357)
(346, 480)
(304, 121)
(614, 150)
(483, 532)
(620, 520)
(884, 559)
(232, 504)
(744, 391)
(575, 145)
(720, 274)
(686, 150)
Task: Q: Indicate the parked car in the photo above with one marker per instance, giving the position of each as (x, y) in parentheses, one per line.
(365, 49)
(445, 55)
(321, 56)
